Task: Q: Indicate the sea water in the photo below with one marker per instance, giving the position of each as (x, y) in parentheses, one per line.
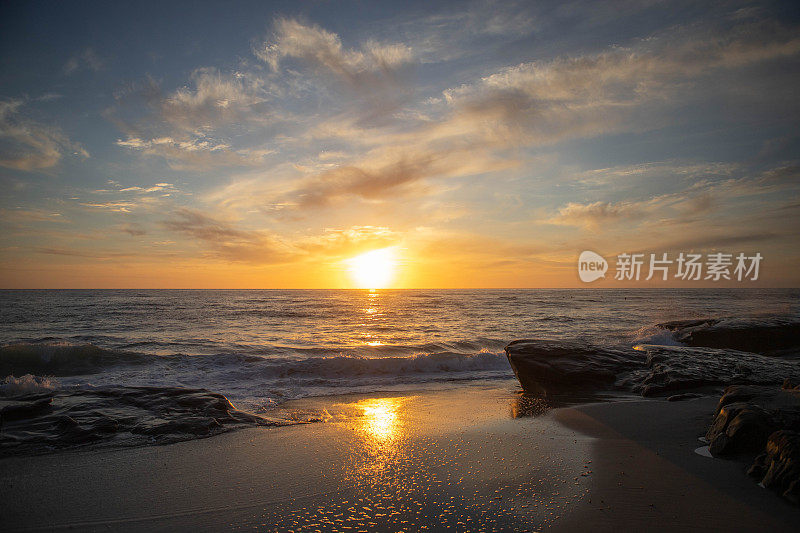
(260, 348)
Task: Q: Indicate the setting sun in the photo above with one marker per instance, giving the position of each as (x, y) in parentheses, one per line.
(375, 269)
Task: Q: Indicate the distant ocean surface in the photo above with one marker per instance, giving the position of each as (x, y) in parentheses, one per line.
(263, 347)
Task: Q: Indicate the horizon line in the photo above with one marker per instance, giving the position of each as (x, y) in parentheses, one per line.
(376, 289)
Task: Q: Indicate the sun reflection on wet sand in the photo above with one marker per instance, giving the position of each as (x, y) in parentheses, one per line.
(380, 417)
(381, 438)
(417, 463)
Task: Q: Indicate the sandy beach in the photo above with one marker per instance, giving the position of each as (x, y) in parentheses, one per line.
(481, 457)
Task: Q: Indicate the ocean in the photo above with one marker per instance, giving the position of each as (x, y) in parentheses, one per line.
(261, 348)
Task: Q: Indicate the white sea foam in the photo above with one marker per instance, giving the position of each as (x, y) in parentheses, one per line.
(27, 384)
(656, 335)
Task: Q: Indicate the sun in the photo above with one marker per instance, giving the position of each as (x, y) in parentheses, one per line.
(375, 269)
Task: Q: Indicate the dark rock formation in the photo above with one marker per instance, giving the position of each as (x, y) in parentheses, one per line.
(550, 366)
(117, 416)
(746, 416)
(778, 468)
(754, 420)
(759, 335)
(554, 366)
(675, 368)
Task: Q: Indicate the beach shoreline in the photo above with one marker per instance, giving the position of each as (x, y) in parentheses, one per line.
(409, 461)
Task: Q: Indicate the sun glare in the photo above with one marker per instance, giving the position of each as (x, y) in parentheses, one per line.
(380, 417)
(373, 270)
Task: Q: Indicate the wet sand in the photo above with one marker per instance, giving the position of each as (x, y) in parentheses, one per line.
(469, 458)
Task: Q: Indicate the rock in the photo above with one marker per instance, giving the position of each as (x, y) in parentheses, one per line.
(758, 335)
(746, 416)
(116, 416)
(740, 428)
(762, 421)
(675, 368)
(778, 468)
(555, 366)
(547, 366)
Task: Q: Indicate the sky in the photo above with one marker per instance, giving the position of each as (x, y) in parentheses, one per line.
(485, 144)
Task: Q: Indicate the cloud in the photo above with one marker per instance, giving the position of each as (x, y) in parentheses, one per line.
(375, 72)
(194, 152)
(651, 172)
(345, 242)
(227, 242)
(323, 50)
(144, 200)
(477, 128)
(132, 229)
(707, 214)
(86, 59)
(116, 207)
(594, 215)
(28, 145)
(213, 100)
(784, 175)
(542, 102)
(452, 33)
(529, 105)
(188, 126)
(99, 255)
(394, 177)
(158, 187)
(14, 216)
(382, 174)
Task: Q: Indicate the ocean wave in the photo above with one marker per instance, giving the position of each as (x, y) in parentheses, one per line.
(62, 359)
(425, 363)
(656, 335)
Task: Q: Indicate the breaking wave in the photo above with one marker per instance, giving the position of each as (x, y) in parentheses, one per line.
(27, 384)
(62, 359)
(72, 360)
